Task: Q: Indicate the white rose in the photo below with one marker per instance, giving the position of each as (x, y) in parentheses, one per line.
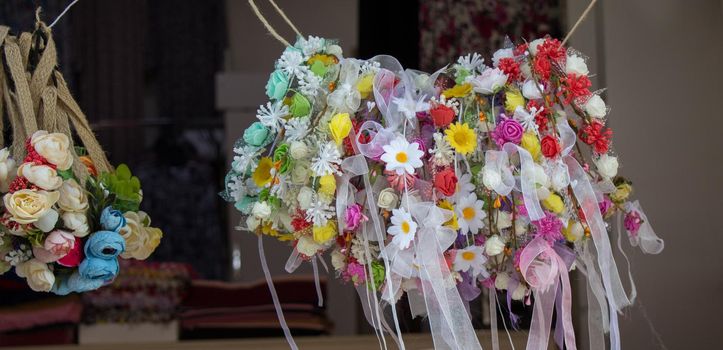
(307, 246)
(387, 199)
(72, 197)
(491, 178)
(500, 54)
(494, 245)
(76, 222)
(300, 174)
(489, 82)
(55, 148)
(607, 166)
(519, 292)
(42, 176)
(534, 44)
(28, 206)
(252, 222)
(531, 90)
(305, 196)
(298, 150)
(504, 220)
(141, 239)
(7, 169)
(502, 281)
(338, 259)
(261, 210)
(37, 274)
(595, 107)
(575, 64)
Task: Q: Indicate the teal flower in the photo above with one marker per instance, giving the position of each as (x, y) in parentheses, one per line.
(300, 106)
(258, 135)
(245, 204)
(277, 85)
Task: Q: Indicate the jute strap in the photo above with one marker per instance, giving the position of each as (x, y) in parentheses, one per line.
(16, 92)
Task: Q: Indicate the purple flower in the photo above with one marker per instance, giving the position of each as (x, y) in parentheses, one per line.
(355, 272)
(605, 205)
(633, 222)
(549, 228)
(354, 216)
(508, 130)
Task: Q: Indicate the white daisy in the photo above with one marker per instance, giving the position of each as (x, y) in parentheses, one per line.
(464, 185)
(272, 115)
(526, 119)
(309, 84)
(409, 107)
(442, 153)
(324, 163)
(291, 62)
(470, 61)
(311, 46)
(319, 212)
(403, 228)
(470, 258)
(401, 156)
(296, 129)
(470, 214)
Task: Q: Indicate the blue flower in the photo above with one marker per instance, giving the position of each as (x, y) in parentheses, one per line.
(258, 135)
(112, 220)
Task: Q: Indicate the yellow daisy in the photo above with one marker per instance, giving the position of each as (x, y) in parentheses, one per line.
(461, 137)
(458, 91)
(262, 174)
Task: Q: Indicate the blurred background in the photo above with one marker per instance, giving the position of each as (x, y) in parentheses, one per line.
(169, 85)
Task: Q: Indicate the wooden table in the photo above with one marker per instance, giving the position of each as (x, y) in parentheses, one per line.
(412, 341)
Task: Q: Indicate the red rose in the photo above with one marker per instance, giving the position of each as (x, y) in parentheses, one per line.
(442, 115)
(446, 182)
(74, 256)
(550, 146)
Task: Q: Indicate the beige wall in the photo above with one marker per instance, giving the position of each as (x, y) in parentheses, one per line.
(662, 62)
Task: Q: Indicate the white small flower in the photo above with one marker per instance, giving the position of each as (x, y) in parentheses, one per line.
(298, 150)
(471, 61)
(442, 153)
(387, 199)
(402, 157)
(305, 197)
(338, 259)
(531, 90)
(595, 107)
(502, 280)
(468, 258)
(272, 115)
(470, 214)
(494, 245)
(296, 129)
(236, 188)
(575, 64)
(403, 228)
(327, 161)
(291, 62)
(409, 107)
(465, 185)
(309, 84)
(18, 256)
(489, 82)
(319, 212)
(526, 119)
(370, 67)
(500, 54)
(311, 46)
(504, 220)
(244, 159)
(607, 166)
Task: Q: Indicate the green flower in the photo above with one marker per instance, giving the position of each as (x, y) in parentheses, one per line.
(258, 135)
(378, 274)
(281, 154)
(277, 85)
(300, 106)
(319, 68)
(245, 204)
(461, 75)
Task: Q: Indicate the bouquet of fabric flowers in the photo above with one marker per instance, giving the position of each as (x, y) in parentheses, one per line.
(437, 185)
(67, 216)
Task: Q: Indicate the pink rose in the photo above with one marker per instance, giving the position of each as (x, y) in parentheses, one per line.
(633, 222)
(74, 256)
(56, 246)
(354, 217)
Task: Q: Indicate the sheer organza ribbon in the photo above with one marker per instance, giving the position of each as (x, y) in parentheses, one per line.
(544, 270)
(527, 181)
(274, 296)
(646, 238)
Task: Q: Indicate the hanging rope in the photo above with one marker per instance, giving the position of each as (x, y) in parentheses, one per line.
(283, 15)
(579, 20)
(266, 24)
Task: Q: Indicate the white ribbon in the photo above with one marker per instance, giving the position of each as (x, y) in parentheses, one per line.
(275, 297)
(649, 242)
(527, 181)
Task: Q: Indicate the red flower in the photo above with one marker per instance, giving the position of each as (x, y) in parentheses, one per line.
(442, 115)
(445, 182)
(74, 256)
(34, 157)
(575, 86)
(542, 117)
(542, 67)
(21, 183)
(510, 67)
(520, 49)
(298, 221)
(551, 49)
(550, 146)
(596, 135)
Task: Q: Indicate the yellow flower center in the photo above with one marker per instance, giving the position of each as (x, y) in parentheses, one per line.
(461, 138)
(468, 256)
(402, 157)
(468, 213)
(405, 227)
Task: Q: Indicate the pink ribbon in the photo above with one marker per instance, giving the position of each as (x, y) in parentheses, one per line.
(544, 270)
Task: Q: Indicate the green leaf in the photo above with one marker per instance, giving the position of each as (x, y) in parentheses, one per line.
(65, 174)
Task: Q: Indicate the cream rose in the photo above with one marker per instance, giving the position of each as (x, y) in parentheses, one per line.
(307, 246)
(502, 280)
(575, 64)
(42, 176)
(305, 196)
(595, 107)
(261, 210)
(520, 292)
(504, 220)
(55, 148)
(28, 206)
(298, 150)
(77, 223)
(387, 199)
(7, 169)
(338, 260)
(141, 239)
(300, 174)
(494, 245)
(72, 197)
(607, 166)
(37, 273)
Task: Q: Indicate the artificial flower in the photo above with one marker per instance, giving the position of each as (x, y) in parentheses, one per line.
(507, 130)
(319, 212)
(409, 107)
(461, 137)
(549, 228)
(575, 64)
(7, 169)
(311, 45)
(298, 150)
(471, 61)
(470, 214)
(460, 90)
(257, 135)
(607, 166)
(277, 85)
(262, 175)
(307, 245)
(400, 182)
(550, 146)
(43, 176)
(300, 173)
(621, 193)
(574, 231)
(511, 68)
(595, 134)
(364, 85)
(595, 107)
(353, 216)
(445, 182)
(494, 245)
(272, 115)
(54, 147)
(502, 280)
(291, 62)
(403, 228)
(296, 129)
(531, 144)
(327, 161)
(442, 115)
(526, 119)
(305, 196)
(310, 80)
(513, 99)
(327, 185)
(29, 206)
(387, 199)
(520, 292)
(261, 210)
(632, 222)
(324, 233)
(74, 256)
(504, 219)
(465, 185)
(554, 203)
(281, 158)
(340, 126)
(299, 106)
(470, 258)
(442, 153)
(72, 197)
(532, 90)
(338, 260)
(401, 156)
(452, 222)
(37, 274)
(489, 82)
(56, 246)
(76, 222)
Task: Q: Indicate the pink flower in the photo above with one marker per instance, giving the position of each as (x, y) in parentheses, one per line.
(633, 222)
(74, 256)
(549, 227)
(508, 130)
(354, 216)
(397, 181)
(605, 205)
(355, 272)
(56, 246)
